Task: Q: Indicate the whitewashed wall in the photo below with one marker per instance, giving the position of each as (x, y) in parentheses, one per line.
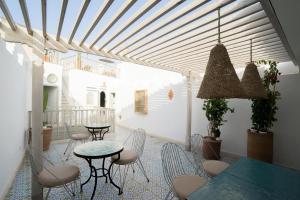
(79, 81)
(167, 119)
(15, 102)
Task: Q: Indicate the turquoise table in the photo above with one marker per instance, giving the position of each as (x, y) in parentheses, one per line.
(251, 179)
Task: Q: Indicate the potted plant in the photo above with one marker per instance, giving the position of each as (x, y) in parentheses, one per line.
(47, 129)
(215, 109)
(260, 137)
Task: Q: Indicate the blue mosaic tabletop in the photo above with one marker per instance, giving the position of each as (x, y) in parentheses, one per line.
(251, 179)
(98, 149)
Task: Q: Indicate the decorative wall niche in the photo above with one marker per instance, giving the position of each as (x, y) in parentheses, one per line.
(141, 101)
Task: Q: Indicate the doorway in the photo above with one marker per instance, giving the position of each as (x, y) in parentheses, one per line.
(102, 99)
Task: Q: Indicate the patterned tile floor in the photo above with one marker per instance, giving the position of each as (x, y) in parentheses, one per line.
(136, 186)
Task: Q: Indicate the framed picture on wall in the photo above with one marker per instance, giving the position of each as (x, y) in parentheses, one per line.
(141, 101)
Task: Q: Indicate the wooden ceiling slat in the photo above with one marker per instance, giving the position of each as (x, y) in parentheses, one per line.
(79, 19)
(61, 18)
(26, 16)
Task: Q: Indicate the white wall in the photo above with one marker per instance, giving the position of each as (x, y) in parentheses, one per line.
(168, 118)
(165, 118)
(79, 81)
(15, 102)
(286, 131)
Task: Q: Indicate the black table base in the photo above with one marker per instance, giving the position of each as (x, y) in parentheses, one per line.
(98, 134)
(104, 173)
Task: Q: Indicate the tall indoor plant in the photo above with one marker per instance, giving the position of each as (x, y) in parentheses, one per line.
(260, 137)
(215, 109)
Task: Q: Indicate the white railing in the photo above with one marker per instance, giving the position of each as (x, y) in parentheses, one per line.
(76, 118)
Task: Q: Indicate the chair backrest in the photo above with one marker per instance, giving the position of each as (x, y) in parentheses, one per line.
(67, 129)
(136, 141)
(29, 152)
(33, 162)
(174, 161)
(196, 148)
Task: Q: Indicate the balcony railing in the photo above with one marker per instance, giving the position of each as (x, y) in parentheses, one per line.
(76, 118)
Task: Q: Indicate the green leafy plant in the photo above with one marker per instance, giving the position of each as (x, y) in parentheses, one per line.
(45, 97)
(215, 109)
(264, 110)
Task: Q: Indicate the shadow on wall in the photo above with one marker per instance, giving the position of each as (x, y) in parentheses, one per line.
(166, 118)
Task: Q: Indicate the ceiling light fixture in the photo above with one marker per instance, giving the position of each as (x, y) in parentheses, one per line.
(251, 80)
(220, 79)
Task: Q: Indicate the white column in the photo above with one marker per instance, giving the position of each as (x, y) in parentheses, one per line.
(37, 127)
(188, 113)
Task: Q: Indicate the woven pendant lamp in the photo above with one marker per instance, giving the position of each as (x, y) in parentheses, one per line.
(220, 79)
(251, 81)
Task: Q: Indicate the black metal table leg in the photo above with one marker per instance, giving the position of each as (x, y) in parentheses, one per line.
(95, 186)
(103, 170)
(91, 172)
(109, 176)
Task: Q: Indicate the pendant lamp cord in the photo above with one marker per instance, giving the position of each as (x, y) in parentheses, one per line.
(251, 51)
(219, 26)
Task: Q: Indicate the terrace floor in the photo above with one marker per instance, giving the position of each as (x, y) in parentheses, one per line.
(136, 186)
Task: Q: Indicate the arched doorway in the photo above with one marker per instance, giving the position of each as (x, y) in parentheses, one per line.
(102, 99)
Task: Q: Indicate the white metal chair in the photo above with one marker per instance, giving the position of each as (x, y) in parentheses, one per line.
(74, 138)
(55, 176)
(208, 168)
(176, 165)
(131, 155)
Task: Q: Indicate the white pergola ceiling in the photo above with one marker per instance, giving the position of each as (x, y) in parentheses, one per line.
(174, 37)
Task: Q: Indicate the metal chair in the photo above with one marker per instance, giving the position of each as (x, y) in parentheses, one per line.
(55, 176)
(208, 168)
(179, 172)
(131, 155)
(74, 138)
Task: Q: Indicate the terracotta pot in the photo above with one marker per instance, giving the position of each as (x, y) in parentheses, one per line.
(260, 146)
(211, 148)
(47, 136)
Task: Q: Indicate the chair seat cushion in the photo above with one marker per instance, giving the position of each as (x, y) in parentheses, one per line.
(214, 167)
(126, 157)
(79, 136)
(186, 184)
(58, 175)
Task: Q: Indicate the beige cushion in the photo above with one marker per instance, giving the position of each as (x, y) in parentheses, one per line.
(214, 167)
(185, 185)
(80, 136)
(126, 157)
(58, 175)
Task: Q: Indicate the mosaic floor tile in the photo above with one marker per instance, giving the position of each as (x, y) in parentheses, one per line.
(136, 187)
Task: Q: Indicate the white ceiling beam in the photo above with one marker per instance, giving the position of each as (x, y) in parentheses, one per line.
(123, 9)
(164, 10)
(204, 14)
(137, 15)
(61, 18)
(79, 18)
(199, 48)
(233, 49)
(181, 14)
(234, 22)
(101, 12)
(44, 17)
(265, 51)
(26, 16)
(7, 15)
(188, 47)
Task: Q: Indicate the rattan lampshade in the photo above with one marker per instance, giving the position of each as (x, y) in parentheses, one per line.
(220, 79)
(252, 83)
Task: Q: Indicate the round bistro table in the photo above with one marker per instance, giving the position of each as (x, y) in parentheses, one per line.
(99, 150)
(100, 128)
